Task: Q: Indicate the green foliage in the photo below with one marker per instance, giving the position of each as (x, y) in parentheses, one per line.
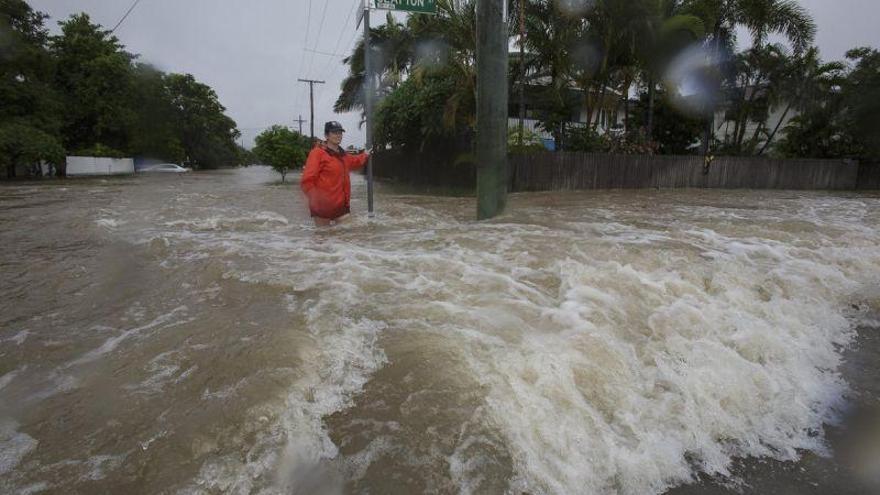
(246, 157)
(26, 69)
(861, 97)
(843, 123)
(529, 142)
(585, 138)
(95, 80)
(206, 133)
(100, 150)
(819, 133)
(157, 131)
(417, 114)
(24, 145)
(673, 133)
(282, 149)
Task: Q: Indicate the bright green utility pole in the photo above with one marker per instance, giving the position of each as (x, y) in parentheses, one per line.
(491, 142)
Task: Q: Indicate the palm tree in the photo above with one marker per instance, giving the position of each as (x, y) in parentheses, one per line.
(392, 58)
(751, 90)
(807, 80)
(445, 41)
(761, 18)
(552, 36)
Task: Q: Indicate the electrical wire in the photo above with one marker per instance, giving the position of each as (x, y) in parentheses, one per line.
(303, 58)
(333, 69)
(125, 16)
(317, 38)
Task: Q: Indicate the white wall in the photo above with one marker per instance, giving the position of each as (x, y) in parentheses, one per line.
(90, 165)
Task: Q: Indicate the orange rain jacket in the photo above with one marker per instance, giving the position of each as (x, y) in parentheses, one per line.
(326, 183)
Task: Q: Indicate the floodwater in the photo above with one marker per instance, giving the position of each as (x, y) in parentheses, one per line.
(197, 334)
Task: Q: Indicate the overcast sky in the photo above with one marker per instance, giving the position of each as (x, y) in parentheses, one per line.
(252, 52)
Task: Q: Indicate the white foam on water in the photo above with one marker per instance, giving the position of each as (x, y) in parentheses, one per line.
(109, 223)
(244, 222)
(615, 355)
(99, 465)
(8, 377)
(20, 337)
(637, 378)
(162, 322)
(38, 487)
(162, 369)
(343, 354)
(14, 446)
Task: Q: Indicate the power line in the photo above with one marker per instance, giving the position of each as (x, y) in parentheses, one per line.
(329, 54)
(305, 46)
(125, 16)
(345, 24)
(317, 38)
(333, 69)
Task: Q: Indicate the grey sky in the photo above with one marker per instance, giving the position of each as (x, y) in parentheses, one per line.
(252, 52)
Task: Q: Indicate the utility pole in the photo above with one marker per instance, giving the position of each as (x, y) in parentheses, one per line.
(491, 107)
(312, 83)
(300, 121)
(522, 68)
(368, 105)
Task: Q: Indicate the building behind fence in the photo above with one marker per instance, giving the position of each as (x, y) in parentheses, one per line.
(553, 171)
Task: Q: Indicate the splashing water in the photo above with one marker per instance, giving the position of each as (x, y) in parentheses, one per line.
(197, 334)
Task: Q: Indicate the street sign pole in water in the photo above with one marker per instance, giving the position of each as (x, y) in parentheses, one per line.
(417, 6)
(368, 106)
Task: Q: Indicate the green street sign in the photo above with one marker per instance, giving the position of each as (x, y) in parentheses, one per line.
(423, 6)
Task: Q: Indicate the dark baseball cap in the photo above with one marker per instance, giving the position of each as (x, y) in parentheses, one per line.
(333, 126)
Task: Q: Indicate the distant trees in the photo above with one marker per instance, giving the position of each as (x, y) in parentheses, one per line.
(81, 92)
(282, 149)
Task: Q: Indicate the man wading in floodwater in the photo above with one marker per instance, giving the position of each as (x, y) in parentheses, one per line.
(325, 179)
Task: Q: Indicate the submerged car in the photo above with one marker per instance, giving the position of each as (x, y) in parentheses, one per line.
(165, 168)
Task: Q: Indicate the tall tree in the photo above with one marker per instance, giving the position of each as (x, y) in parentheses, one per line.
(95, 78)
(157, 134)
(29, 114)
(861, 95)
(206, 133)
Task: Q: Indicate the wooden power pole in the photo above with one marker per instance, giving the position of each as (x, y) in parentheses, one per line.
(300, 121)
(491, 140)
(312, 83)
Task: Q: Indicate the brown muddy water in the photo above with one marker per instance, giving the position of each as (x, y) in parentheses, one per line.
(197, 334)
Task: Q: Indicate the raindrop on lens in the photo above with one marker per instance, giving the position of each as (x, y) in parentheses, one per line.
(691, 79)
(575, 8)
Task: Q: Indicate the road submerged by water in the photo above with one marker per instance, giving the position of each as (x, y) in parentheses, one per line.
(197, 334)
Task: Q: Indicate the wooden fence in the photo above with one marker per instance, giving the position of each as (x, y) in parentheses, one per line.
(550, 171)
(565, 170)
(869, 175)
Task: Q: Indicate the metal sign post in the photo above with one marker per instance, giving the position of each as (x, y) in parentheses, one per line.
(416, 6)
(368, 107)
